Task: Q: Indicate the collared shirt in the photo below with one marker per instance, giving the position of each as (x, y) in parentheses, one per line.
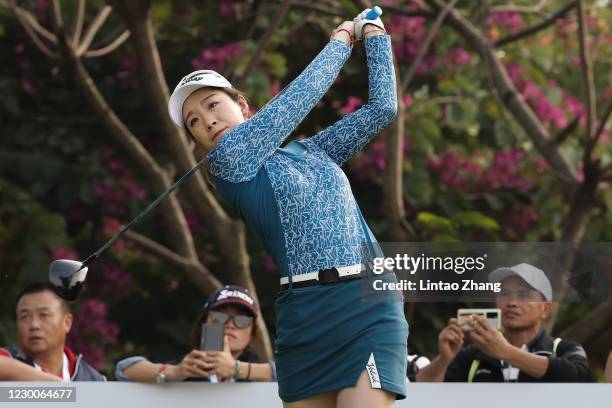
(568, 364)
(65, 368)
(78, 369)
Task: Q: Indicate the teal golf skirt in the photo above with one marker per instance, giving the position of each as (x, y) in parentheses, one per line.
(326, 335)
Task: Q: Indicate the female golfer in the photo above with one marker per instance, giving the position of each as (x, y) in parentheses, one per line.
(331, 349)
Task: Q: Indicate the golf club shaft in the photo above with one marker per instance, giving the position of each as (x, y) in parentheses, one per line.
(144, 212)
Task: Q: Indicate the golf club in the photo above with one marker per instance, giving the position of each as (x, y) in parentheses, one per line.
(68, 276)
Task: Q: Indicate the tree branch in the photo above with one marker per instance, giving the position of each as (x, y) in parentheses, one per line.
(588, 83)
(29, 28)
(604, 121)
(136, 17)
(399, 229)
(409, 13)
(510, 96)
(258, 14)
(607, 173)
(566, 131)
(78, 24)
(93, 29)
(521, 9)
(590, 325)
(179, 232)
(37, 27)
(228, 235)
(109, 48)
(426, 43)
(393, 171)
(198, 273)
(537, 27)
(263, 42)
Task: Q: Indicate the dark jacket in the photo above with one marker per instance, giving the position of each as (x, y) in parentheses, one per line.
(78, 368)
(568, 363)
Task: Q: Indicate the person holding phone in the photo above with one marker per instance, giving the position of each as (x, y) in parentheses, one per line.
(231, 307)
(331, 347)
(523, 352)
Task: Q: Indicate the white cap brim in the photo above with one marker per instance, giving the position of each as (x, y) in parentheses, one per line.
(188, 85)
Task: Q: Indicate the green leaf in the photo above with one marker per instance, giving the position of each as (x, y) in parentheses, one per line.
(475, 219)
(553, 94)
(275, 63)
(161, 10)
(503, 134)
(428, 126)
(461, 114)
(258, 85)
(494, 202)
(349, 8)
(445, 238)
(432, 221)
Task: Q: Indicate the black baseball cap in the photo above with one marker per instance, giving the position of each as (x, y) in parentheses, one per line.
(232, 294)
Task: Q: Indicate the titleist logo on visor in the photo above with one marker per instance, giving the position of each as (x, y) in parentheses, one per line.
(234, 294)
(198, 76)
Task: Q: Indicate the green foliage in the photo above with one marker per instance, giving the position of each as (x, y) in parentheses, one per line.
(27, 231)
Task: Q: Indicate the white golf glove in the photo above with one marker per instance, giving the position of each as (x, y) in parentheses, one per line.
(360, 22)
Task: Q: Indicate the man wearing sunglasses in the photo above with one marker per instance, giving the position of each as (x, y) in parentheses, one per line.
(236, 310)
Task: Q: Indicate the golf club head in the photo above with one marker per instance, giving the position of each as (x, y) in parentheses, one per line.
(68, 277)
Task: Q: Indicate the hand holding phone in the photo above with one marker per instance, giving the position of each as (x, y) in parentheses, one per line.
(493, 316)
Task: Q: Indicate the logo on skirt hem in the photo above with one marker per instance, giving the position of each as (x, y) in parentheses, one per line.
(373, 372)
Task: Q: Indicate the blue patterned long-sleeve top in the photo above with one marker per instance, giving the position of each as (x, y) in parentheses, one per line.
(296, 199)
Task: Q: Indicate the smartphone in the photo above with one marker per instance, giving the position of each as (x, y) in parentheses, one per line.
(492, 315)
(212, 337)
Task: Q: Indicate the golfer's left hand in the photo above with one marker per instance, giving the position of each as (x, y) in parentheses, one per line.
(221, 363)
(488, 339)
(363, 27)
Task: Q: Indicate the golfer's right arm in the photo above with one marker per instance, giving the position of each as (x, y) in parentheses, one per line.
(241, 152)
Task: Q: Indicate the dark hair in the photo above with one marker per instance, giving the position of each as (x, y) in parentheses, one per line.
(196, 331)
(39, 287)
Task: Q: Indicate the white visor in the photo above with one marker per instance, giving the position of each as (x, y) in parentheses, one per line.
(189, 84)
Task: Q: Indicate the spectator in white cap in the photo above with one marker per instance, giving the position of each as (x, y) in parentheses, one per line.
(522, 352)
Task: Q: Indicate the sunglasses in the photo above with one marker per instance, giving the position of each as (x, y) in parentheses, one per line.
(240, 321)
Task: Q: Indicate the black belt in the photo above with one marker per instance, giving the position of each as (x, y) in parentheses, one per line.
(325, 277)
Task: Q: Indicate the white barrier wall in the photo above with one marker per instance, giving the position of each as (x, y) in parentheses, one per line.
(256, 395)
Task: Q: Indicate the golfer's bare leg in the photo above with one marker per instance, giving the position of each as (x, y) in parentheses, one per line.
(362, 395)
(326, 400)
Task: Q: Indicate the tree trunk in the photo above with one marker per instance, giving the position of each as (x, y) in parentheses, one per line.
(228, 235)
(577, 222)
(590, 326)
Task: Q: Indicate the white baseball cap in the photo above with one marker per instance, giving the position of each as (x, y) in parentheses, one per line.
(189, 84)
(534, 277)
